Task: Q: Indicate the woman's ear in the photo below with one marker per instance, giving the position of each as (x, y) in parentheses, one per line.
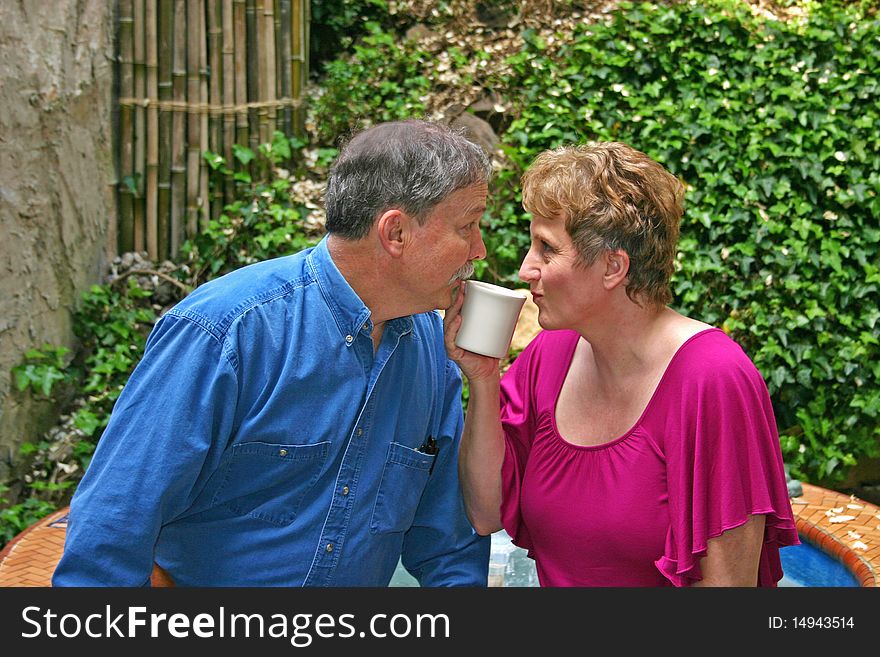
(391, 228)
(616, 268)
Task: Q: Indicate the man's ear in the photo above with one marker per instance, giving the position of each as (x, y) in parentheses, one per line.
(391, 227)
(616, 268)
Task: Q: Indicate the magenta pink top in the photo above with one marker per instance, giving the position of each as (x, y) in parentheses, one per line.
(639, 510)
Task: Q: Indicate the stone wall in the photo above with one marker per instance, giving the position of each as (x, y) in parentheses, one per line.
(57, 201)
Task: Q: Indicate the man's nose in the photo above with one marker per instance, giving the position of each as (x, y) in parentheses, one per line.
(478, 248)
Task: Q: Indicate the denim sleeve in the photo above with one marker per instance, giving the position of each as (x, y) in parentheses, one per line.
(169, 425)
(442, 548)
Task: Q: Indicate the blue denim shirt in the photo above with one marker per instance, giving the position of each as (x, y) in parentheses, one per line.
(261, 442)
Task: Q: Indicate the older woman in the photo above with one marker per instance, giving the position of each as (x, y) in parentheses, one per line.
(633, 446)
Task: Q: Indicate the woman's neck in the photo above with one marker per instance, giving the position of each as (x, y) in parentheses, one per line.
(630, 340)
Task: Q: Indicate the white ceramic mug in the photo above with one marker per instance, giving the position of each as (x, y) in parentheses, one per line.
(488, 318)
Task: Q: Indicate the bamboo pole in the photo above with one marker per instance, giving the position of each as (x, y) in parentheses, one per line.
(178, 130)
(239, 27)
(307, 29)
(166, 29)
(299, 61)
(253, 73)
(215, 95)
(125, 223)
(268, 114)
(228, 98)
(140, 138)
(260, 60)
(193, 100)
(204, 145)
(282, 28)
(152, 192)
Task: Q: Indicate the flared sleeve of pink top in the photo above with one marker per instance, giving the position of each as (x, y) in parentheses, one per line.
(723, 459)
(518, 420)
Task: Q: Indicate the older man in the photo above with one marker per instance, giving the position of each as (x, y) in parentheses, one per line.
(296, 422)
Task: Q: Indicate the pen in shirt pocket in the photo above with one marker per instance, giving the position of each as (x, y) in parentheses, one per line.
(431, 447)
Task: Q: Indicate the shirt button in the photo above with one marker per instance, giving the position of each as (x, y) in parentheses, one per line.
(359, 431)
(349, 339)
(366, 326)
(345, 490)
(329, 547)
(282, 452)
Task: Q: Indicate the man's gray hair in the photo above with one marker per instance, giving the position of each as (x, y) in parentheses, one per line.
(410, 165)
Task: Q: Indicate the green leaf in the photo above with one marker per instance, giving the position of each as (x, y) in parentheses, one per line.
(242, 154)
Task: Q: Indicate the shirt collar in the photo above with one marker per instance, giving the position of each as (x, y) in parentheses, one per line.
(349, 312)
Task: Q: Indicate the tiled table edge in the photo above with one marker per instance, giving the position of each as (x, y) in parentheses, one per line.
(813, 514)
(20, 542)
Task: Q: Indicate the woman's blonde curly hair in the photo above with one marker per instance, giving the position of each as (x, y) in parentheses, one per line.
(612, 197)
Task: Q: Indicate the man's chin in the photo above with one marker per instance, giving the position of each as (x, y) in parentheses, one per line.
(447, 297)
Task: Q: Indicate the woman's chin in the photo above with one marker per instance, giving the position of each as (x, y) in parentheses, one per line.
(547, 322)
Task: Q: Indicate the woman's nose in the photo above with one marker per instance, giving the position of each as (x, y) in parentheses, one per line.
(528, 272)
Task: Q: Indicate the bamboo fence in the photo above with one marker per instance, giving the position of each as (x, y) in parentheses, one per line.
(197, 76)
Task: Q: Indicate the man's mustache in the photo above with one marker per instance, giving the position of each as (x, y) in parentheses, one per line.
(463, 273)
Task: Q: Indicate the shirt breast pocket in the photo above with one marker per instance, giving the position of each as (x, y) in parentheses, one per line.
(269, 481)
(403, 482)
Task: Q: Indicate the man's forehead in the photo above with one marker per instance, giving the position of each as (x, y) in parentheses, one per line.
(473, 196)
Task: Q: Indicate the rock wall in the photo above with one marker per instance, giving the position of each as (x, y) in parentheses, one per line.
(57, 200)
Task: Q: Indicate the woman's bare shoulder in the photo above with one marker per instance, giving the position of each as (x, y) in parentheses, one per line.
(680, 329)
